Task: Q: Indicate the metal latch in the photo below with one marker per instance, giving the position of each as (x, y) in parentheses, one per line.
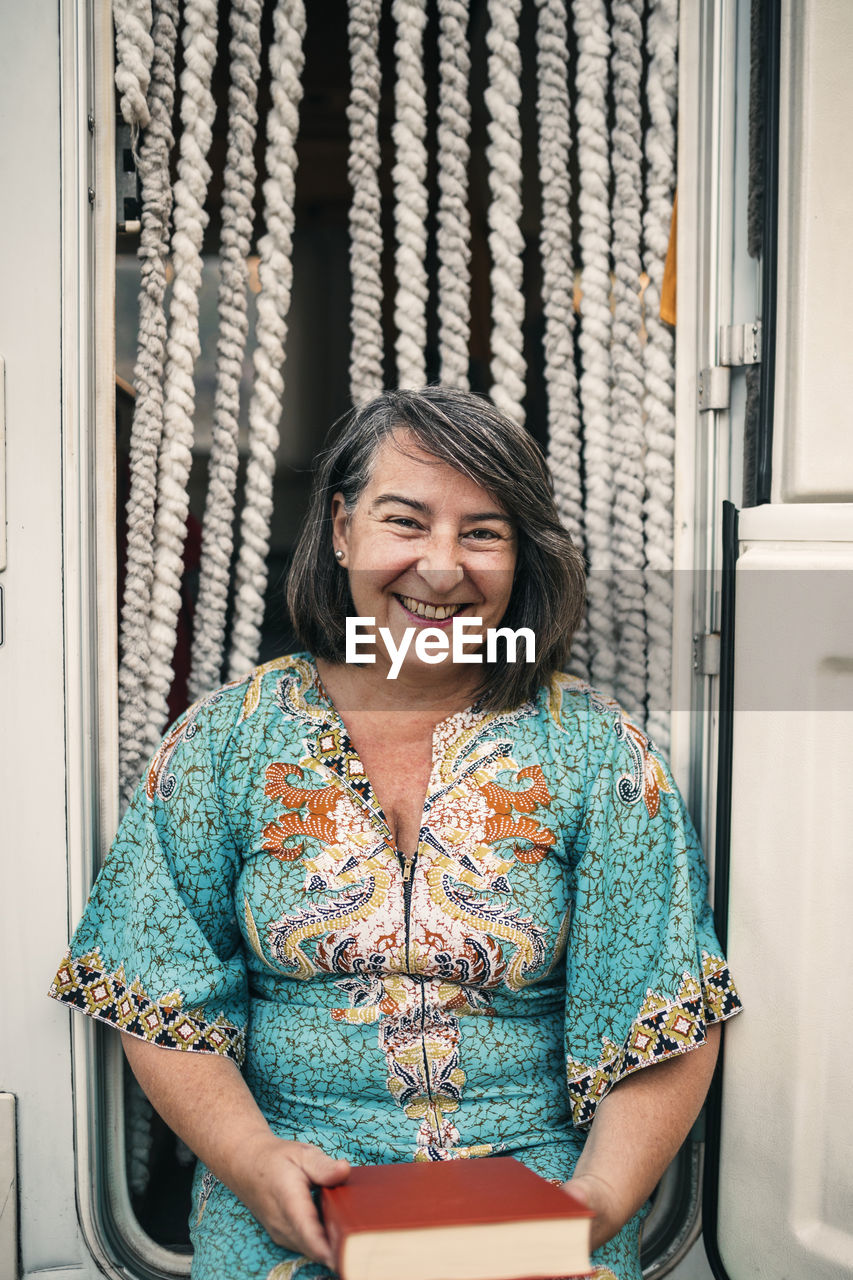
(739, 344)
(706, 654)
(128, 200)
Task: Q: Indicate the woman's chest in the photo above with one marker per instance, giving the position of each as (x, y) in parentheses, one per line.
(397, 753)
(482, 898)
(399, 774)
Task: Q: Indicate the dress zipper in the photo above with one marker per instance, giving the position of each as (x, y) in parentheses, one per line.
(407, 865)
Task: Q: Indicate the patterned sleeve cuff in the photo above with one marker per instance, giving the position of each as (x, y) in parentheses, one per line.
(662, 1029)
(84, 983)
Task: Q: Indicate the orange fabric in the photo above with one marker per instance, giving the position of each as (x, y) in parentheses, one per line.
(668, 289)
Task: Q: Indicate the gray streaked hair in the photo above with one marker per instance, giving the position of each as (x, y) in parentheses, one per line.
(468, 433)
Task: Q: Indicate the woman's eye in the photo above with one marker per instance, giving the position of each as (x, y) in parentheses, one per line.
(404, 522)
(483, 535)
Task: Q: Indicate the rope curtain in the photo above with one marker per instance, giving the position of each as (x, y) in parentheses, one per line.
(566, 111)
(276, 276)
(659, 352)
(595, 331)
(506, 242)
(410, 193)
(556, 251)
(627, 417)
(198, 110)
(453, 235)
(366, 206)
(156, 191)
(133, 20)
(237, 222)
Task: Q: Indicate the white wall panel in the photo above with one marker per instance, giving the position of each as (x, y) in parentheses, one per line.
(786, 1168)
(813, 459)
(34, 1045)
(48, 704)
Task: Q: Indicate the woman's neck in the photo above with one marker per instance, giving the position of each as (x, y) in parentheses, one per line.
(365, 688)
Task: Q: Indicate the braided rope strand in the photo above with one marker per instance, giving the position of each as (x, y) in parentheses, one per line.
(153, 169)
(659, 401)
(453, 240)
(627, 395)
(198, 110)
(276, 277)
(410, 193)
(365, 215)
(237, 222)
(554, 121)
(133, 21)
(558, 275)
(506, 243)
(593, 41)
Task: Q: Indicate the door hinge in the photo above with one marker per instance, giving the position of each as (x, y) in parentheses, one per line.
(713, 388)
(706, 654)
(739, 344)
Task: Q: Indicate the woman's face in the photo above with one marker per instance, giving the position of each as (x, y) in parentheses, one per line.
(423, 545)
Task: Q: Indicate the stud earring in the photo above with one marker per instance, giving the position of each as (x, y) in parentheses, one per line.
(339, 555)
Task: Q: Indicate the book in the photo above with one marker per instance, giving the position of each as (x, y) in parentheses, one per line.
(484, 1219)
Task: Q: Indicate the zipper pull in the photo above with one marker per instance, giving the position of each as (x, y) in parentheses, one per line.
(408, 860)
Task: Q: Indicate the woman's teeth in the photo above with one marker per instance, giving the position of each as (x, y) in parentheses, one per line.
(437, 611)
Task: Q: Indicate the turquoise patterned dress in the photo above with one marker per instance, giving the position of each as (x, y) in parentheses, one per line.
(550, 935)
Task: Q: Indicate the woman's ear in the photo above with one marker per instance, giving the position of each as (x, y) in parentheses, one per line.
(340, 525)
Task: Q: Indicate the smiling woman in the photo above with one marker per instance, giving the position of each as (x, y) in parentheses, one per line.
(422, 547)
(439, 917)
(437, 503)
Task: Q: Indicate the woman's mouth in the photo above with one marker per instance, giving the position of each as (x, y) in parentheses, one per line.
(422, 611)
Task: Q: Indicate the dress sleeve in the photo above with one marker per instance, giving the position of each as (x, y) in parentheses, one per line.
(158, 951)
(646, 974)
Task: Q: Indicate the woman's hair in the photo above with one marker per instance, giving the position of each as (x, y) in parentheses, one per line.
(469, 434)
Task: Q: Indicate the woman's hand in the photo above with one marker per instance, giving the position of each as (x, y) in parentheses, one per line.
(206, 1101)
(637, 1130)
(274, 1177)
(599, 1196)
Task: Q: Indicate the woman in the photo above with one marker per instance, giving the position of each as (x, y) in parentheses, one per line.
(434, 916)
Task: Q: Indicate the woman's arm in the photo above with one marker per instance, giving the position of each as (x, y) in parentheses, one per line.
(637, 1130)
(206, 1101)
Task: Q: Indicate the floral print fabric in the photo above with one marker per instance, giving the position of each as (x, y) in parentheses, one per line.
(549, 936)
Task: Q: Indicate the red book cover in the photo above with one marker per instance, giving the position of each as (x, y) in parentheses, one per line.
(382, 1200)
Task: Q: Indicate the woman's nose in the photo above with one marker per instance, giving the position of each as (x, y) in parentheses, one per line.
(440, 568)
(442, 581)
